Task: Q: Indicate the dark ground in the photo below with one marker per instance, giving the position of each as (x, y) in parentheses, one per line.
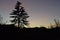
(11, 32)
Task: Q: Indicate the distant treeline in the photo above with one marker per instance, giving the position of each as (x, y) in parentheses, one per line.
(12, 28)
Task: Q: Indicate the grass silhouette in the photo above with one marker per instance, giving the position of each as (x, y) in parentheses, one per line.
(31, 33)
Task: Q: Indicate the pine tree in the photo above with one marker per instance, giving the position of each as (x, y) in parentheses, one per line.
(20, 15)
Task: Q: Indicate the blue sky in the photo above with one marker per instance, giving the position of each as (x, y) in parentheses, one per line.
(41, 12)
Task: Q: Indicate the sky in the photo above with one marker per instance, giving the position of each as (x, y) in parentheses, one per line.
(41, 12)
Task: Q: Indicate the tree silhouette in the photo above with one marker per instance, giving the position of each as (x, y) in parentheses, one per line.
(20, 15)
(1, 18)
(57, 22)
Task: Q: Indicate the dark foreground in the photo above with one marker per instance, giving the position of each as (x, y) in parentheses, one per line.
(11, 32)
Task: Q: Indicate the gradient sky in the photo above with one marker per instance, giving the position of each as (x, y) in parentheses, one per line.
(41, 12)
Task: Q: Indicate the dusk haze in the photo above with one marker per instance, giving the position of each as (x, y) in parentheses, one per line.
(41, 12)
(30, 19)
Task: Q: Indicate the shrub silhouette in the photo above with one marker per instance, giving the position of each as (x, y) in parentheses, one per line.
(1, 18)
(57, 23)
(19, 15)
